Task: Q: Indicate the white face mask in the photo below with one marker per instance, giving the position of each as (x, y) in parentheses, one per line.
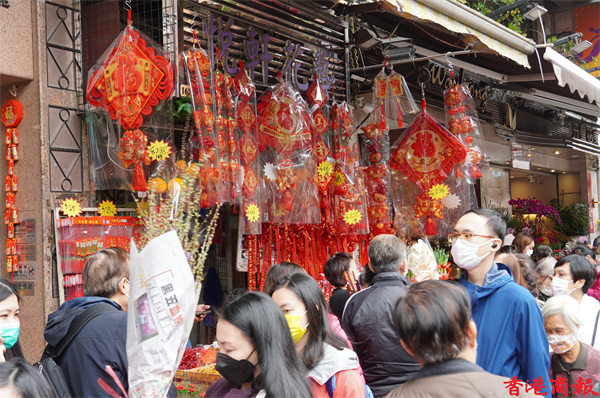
(529, 252)
(560, 287)
(562, 343)
(465, 254)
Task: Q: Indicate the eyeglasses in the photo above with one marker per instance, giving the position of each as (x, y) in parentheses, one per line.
(465, 237)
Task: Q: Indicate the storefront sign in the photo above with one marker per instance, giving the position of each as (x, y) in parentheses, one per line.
(440, 76)
(24, 288)
(257, 54)
(511, 117)
(25, 234)
(26, 271)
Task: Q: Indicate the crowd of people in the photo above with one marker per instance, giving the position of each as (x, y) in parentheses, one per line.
(510, 326)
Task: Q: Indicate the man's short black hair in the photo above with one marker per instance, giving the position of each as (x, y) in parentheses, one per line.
(432, 319)
(580, 269)
(495, 223)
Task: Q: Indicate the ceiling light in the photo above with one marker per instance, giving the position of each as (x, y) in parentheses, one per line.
(535, 13)
(564, 172)
(528, 155)
(512, 176)
(552, 171)
(539, 168)
(491, 168)
(581, 47)
(574, 156)
(507, 162)
(557, 152)
(532, 149)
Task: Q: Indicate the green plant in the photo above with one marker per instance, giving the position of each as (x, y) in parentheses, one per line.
(182, 107)
(575, 218)
(512, 19)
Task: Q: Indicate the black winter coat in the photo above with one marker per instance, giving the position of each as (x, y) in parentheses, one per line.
(367, 321)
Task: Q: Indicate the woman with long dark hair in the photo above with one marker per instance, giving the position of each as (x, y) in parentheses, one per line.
(9, 322)
(330, 365)
(257, 355)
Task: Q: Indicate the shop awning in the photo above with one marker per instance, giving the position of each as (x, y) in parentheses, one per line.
(461, 19)
(572, 75)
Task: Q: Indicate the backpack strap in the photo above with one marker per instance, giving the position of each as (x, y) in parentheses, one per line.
(330, 386)
(595, 328)
(78, 324)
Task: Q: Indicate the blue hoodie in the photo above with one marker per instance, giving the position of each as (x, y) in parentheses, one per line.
(511, 336)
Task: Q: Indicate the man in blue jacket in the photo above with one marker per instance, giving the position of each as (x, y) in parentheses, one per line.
(511, 340)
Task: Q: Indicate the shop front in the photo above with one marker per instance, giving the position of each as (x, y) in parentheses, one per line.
(300, 132)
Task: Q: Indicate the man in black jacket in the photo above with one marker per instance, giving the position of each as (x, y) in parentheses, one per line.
(368, 319)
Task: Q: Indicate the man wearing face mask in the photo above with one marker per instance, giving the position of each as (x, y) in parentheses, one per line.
(102, 341)
(511, 339)
(573, 275)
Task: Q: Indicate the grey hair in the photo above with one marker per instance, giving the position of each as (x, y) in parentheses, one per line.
(567, 307)
(545, 267)
(386, 253)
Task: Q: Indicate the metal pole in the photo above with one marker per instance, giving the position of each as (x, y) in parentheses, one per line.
(406, 61)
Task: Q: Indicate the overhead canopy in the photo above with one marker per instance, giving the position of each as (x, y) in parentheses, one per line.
(463, 20)
(572, 75)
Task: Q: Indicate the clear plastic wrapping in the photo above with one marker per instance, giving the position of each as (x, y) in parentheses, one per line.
(322, 140)
(463, 122)
(285, 144)
(349, 199)
(81, 237)
(426, 154)
(129, 88)
(203, 147)
(375, 155)
(252, 184)
(392, 98)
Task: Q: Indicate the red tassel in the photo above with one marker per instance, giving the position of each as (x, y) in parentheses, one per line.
(400, 123)
(459, 173)
(383, 122)
(138, 180)
(475, 171)
(430, 228)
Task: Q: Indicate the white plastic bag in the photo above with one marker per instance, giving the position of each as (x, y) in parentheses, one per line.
(162, 301)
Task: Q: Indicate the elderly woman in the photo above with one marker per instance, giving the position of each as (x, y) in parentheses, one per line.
(573, 275)
(572, 360)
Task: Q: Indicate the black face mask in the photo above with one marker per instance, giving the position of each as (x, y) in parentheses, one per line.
(236, 372)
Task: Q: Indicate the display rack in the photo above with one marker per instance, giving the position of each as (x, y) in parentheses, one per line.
(76, 238)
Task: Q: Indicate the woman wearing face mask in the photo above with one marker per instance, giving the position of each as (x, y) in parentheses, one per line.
(524, 243)
(257, 356)
(544, 270)
(571, 360)
(573, 275)
(332, 368)
(9, 322)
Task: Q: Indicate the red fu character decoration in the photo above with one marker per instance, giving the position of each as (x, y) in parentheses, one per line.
(426, 154)
(129, 83)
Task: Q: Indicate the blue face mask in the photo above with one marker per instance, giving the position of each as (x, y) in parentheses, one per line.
(10, 334)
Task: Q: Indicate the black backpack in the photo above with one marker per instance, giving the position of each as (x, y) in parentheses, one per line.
(48, 367)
